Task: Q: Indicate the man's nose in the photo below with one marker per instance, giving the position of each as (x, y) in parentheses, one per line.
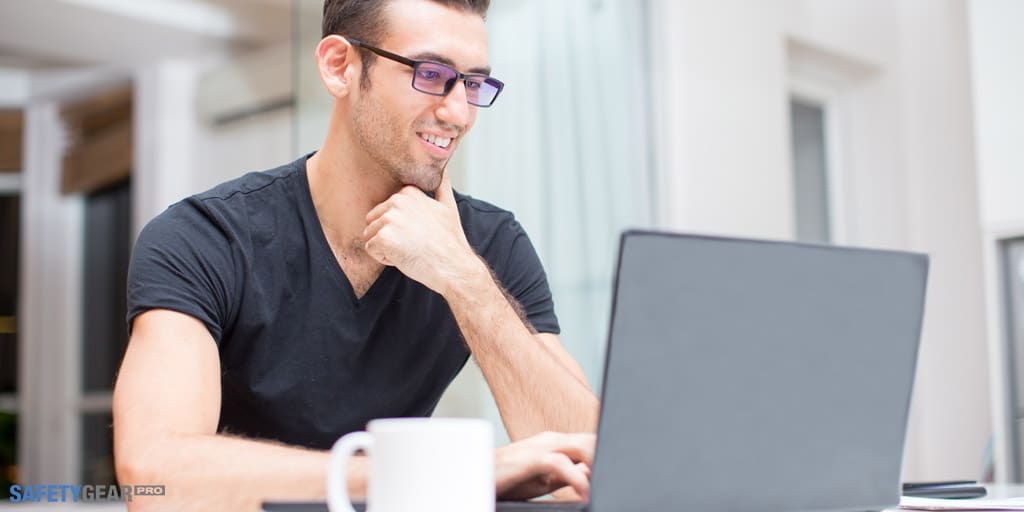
(454, 107)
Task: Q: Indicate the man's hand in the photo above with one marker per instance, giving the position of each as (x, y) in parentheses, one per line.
(544, 463)
(422, 237)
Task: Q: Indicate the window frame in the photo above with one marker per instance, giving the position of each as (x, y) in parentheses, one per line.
(831, 102)
(1007, 450)
(49, 390)
(10, 185)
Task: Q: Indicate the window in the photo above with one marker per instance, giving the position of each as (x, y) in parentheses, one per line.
(1013, 291)
(104, 336)
(810, 173)
(75, 235)
(10, 219)
(10, 247)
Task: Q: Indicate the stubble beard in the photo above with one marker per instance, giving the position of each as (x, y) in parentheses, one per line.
(382, 140)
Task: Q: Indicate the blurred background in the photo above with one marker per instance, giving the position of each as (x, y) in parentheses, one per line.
(877, 123)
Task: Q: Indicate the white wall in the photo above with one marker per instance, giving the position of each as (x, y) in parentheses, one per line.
(952, 420)
(997, 53)
(907, 178)
(997, 72)
(727, 160)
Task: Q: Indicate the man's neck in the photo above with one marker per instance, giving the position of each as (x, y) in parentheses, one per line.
(344, 189)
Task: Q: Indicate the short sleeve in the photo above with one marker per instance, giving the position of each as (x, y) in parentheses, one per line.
(183, 261)
(524, 278)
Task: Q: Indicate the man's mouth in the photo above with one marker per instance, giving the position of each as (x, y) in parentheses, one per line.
(441, 142)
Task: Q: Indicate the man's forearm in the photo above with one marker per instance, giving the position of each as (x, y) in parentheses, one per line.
(534, 390)
(218, 472)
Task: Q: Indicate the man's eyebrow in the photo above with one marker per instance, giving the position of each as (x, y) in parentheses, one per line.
(445, 60)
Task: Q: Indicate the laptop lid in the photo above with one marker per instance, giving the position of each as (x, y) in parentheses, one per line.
(756, 375)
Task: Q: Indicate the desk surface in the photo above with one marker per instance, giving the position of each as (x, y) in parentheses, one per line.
(994, 492)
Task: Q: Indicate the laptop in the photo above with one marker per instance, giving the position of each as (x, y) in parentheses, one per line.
(753, 375)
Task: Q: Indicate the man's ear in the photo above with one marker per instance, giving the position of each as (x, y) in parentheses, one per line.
(339, 65)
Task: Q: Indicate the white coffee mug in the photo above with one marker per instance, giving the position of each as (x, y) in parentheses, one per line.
(418, 464)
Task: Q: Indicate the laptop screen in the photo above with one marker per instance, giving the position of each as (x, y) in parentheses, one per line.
(754, 375)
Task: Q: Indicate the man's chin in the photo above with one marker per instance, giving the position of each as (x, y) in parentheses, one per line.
(428, 184)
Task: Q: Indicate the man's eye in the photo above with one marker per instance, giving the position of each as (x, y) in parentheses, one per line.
(473, 84)
(427, 74)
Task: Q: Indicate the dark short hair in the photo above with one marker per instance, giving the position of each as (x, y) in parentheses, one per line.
(364, 20)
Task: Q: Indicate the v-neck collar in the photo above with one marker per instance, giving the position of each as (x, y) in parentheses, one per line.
(324, 254)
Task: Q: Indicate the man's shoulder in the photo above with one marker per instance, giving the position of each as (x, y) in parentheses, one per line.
(222, 208)
(485, 224)
(252, 183)
(473, 207)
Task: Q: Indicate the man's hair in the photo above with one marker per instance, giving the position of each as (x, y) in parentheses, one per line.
(364, 20)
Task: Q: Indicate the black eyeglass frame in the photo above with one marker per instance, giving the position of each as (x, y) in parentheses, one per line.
(448, 86)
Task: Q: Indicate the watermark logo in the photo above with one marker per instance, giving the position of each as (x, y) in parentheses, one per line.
(53, 493)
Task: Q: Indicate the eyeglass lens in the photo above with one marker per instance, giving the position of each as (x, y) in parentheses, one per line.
(438, 79)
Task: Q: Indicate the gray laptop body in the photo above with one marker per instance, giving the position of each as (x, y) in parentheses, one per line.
(751, 375)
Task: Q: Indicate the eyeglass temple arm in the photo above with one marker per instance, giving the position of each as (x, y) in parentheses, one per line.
(383, 53)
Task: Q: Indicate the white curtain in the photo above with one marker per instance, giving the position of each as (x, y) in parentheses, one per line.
(566, 147)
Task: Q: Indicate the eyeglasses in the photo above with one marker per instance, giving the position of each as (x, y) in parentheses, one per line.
(438, 79)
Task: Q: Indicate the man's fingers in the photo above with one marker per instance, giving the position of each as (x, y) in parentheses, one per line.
(568, 473)
(577, 446)
(377, 211)
(582, 447)
(398, 200)
(374, 227)
(375, 252)
(444, 192)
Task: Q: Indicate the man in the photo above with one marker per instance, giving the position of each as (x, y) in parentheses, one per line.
(281, 310)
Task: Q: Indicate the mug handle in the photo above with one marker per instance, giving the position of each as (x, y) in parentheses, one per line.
(337, 470)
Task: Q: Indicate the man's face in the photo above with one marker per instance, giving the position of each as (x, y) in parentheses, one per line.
(392, 121)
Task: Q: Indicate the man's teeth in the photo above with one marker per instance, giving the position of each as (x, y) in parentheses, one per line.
(441, 142)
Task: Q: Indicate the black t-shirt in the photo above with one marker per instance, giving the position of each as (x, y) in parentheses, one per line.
(302, 360)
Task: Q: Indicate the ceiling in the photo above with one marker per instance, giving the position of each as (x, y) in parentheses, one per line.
(44, 34)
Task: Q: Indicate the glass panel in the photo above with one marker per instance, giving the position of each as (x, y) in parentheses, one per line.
(579, 171)
(10, 219)
(810, 172)
(312, 102)
(98, 449)
(1013, 272)
(107, 251)
(8, 453)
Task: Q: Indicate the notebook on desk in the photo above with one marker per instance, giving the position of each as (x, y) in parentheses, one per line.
(754, 375)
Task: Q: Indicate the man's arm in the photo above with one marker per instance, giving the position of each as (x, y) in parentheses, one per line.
(536, 383)
(166, 410)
